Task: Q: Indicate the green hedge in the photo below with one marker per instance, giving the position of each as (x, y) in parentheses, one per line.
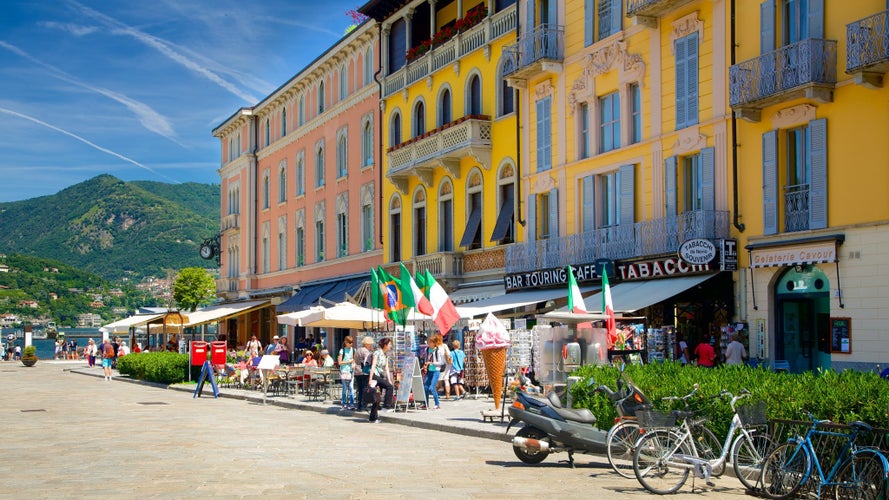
(161, 367)
(839, 396)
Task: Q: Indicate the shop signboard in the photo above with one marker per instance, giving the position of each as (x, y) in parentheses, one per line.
(728, 255)
(697, 251)
(841, 335)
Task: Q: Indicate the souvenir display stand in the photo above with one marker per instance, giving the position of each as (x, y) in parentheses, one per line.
(661, 344)
(629, 346)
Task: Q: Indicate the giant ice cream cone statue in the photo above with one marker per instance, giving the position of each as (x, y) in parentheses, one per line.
(492, 341)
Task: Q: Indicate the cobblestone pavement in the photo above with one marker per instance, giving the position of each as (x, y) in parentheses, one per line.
(69, 434)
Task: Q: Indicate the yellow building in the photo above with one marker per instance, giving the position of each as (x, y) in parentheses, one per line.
(626, 129)
(806, 85)
(449, 140)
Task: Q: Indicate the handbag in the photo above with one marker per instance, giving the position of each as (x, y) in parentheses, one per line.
(345, 375)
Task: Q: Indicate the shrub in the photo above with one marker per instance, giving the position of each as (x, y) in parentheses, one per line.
(160, 367)
(29, 352)
(839, 396)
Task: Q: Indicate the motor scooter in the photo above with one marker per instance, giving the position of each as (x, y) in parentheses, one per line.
(550, 428)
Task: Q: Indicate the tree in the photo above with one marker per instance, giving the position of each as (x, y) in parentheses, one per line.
(193, 288)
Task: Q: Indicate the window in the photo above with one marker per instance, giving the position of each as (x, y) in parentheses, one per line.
(342, 157)
(795, 14)
(609, 206)
(369, 66)
(796, 188)
(300, 246)
(544, 216)
(266, 250)
(444, 107)
(302, 110)
(583, 118)
(395, 130)
(397, 45)
(319, 241)
(367, 227)
(474, 96)
(504, 228)
(344, 83)
(265, 191)
(686, 50)
(472, 235)
(319, 167)
(602, 18)
(609, 122)
(283, 122)
(635, 95)
(419, 222)
(367, 144)
(395, 229)
(544, 134)
(234, 200)
(693, 192)
(268, 131)
(282, 244)
(300, 175)
(320, 97)
(342, 234)
(507, 98)
(690, 179)
(419, 119)
(282, 183)
(446, 217)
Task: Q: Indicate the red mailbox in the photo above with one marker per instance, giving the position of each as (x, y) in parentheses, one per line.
(217, 353)
(198, 353)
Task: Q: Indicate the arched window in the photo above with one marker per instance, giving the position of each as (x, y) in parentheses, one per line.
(268, 131)
(319, 166)
(342, 163)
(444, 107)
(265, 190)
(300, 174)
(504, 228)
(474, 96)
(419, 229)
(302, 109)
(320, 97)
(472, 234)
(505, 95)
(446, 216)
(369, 65)
(282, 182)
(419, 119)
(395, 129)
(344, 82)
(395, 229)
(367, 143)
(283, 122)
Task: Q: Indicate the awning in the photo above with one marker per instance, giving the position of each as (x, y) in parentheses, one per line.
(634, 295)
(333, 291)
(515, 300)
(221, 312)
(124, 325)
(475, 293)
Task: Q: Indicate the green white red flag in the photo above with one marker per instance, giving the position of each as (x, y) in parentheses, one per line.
(412, 295)
(608, 309)
(575, 299)
(444, 312)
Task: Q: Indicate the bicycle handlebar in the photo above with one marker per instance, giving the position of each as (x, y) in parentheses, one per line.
(683, 398)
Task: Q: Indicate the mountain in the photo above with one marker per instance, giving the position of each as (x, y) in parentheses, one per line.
(113, 228)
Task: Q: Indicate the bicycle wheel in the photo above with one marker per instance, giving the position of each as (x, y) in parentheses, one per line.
(786, 469)
(863, 477)
(748, 454)
(654, 465)
(621, 442)
(709, 448)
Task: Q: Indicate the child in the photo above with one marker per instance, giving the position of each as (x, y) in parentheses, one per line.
(458, 358)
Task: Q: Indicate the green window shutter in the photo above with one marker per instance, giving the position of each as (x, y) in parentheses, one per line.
(767, 27)
(818, 176)
(691, 68)
(770, 182)
(681, 82)
(670, 185)
(816, 19)
(589, 203)
(589, 19)
(616, 17)
(532, 218)
(708, 172)
(627, 195)
(554, 213)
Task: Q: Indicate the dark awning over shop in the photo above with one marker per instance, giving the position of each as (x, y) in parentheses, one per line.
(631, 296)
(334, 291)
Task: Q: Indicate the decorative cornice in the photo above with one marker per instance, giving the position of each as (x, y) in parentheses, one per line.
(689, 139)
(543, 89)
(631, 68)
(543, 183)
(685, 26)
(793, 116)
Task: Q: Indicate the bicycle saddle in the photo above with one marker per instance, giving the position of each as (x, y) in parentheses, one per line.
(861, 426)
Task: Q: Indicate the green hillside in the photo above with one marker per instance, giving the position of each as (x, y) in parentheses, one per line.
(115, 229)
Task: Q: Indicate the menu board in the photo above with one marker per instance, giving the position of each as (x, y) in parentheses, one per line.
(841, 335)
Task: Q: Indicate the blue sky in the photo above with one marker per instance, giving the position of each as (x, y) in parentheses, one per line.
(133, 88)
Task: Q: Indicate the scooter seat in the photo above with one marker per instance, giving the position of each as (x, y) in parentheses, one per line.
(581, 415)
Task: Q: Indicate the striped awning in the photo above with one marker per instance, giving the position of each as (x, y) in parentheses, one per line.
(795, 254)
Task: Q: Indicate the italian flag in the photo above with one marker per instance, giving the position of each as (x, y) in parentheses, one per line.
(608, 308)
(412, 295)
(444, 311)
(575, 299)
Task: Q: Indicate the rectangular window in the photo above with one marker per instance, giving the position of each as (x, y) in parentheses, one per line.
(635, 113)
(797, 198)
(543, 216)
(341, 157)
(266, 254)
(319, 241)
(583, 117)
(588, 209)
(795, 14)
(602, 18)
(504, 228)
(395, 227)
(319, 168)
(282, 251)
(300, 178)
(609, 122)
(686, 50)
(367, 228)
(692, 183)
(609, 199)
(342, 235)
(300, 247)
(420, 231)
(544, 134)
(446, 225)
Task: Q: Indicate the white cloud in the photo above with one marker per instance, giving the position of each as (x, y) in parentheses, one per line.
(74, 29)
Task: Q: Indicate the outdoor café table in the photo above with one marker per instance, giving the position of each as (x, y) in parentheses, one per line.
(321, 379)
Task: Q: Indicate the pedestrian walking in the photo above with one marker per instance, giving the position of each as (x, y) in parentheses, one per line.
(435, 363)
(107, 358)
(735, 353)
(363, 360)
(458, 363)
(346, 361)
(382, 379)
(91, 351)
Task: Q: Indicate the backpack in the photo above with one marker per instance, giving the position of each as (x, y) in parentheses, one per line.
(368, 360)
(108, 351)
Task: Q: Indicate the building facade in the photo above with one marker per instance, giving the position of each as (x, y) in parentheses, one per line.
(807, 87)
(300, 191)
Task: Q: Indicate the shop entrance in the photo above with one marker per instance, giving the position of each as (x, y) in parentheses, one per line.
(802, 299)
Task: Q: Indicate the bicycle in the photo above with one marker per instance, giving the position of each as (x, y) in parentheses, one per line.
(625, 432)
(855, 473)
(664, 457)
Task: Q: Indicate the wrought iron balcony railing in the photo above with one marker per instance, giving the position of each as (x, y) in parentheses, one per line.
(545, 44)
(646, 238)
(808, 67)
(796, 208)
(867, 48)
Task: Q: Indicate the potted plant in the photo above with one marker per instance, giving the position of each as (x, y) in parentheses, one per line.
(29, 356)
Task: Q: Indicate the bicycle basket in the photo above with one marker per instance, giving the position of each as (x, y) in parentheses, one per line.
(653, 419)
(753, 414)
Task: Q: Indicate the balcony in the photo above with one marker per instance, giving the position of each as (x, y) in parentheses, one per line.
(442, 147)
(538, 52)
(796, 208)
(230, 221)
(646, 238)
(807, 69)
(480, 36)
(227, 287)
(443, 265)
(867, 50)
(646, 12)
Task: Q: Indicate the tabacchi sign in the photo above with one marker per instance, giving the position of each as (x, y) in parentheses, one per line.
(697, 251)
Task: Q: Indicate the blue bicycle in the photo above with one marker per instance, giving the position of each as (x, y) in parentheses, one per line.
(857, 472)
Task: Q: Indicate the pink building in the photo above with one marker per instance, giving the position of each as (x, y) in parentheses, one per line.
(300, 189)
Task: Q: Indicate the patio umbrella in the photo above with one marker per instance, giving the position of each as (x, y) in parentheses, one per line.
(343, 315)
(293, 318)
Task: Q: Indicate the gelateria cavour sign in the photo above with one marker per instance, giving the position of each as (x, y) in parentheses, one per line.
(811, 253)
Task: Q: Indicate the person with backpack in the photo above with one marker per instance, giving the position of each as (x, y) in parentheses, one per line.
(363, 360)
(107, 358)
(435, 364)
(346, 363)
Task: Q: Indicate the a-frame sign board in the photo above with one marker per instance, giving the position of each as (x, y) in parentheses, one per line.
(206, 375)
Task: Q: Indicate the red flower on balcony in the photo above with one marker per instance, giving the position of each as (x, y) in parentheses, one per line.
(472, 18)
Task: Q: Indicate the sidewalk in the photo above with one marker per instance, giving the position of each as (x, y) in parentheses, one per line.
(458, 417)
